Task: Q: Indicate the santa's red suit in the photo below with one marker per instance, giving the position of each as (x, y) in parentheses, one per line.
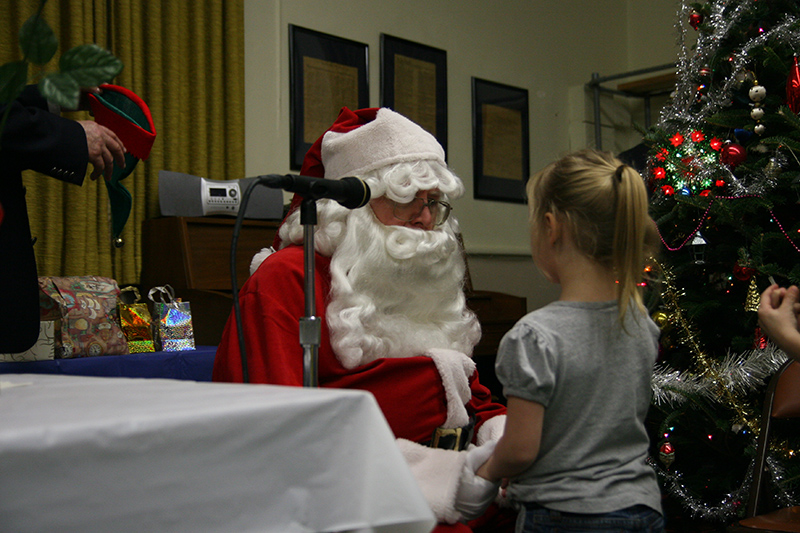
(408, 390)
(417, 394)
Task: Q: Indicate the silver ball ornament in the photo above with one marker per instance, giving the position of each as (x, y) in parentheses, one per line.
(757, 113)
(760, 129)
(119, 242)
(758, 93)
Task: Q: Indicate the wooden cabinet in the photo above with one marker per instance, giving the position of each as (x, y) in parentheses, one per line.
(193, 255)
(194, 252)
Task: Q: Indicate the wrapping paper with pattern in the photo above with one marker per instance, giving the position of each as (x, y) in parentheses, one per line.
(86, 310)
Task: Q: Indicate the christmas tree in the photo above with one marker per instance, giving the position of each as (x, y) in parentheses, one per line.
(724, 171)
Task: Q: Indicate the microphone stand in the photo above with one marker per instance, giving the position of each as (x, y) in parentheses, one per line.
(350, 196)
(310, 325)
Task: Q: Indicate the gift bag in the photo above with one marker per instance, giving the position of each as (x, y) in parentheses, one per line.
(85, 311)
(174, 330)
(134, 318)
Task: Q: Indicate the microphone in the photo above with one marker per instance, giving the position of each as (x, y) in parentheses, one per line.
(350, 192)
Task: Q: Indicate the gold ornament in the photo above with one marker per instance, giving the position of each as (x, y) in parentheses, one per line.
(661, 319)
(753, 297)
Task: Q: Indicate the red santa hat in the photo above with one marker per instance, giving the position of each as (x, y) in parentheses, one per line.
(364, 140)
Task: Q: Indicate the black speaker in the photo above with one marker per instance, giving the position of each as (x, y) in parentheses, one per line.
(184, 195)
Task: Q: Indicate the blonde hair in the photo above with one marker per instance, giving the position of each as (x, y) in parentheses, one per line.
(603, 203)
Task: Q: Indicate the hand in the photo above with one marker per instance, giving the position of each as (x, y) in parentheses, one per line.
(105, 148)
(475, 493)
(779, 316)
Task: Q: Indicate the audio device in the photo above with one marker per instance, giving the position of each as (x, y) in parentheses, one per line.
(184, 195)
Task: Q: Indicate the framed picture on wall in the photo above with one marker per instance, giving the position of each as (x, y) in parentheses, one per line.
(500, 151)
(326, 73)
(414, 83)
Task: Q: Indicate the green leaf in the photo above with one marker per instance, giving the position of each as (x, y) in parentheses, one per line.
(90, 65)
(61, 88)
(13, 77)
(37, 40)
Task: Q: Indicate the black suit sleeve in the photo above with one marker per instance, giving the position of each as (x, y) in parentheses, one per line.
(33, 138)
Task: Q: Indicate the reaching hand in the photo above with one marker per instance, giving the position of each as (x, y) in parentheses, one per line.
(105, 148)
(779, 316)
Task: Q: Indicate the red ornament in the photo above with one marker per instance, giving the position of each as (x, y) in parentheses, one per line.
(743, 273)
(715, 143)
(676, 140)
(668, 190)
(705, 192)
(732, 154)
(697, 136)
(793, 88)
(720, 183)
(760, 339)
(662, 154)
(659, 173)
(695, 19)
(667, 454)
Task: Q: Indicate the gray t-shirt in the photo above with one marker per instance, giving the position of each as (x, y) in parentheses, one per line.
(593, 379)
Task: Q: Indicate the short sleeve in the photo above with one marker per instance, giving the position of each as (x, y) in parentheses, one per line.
(525, 365)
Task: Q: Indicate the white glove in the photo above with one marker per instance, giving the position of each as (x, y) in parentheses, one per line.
(475, 493)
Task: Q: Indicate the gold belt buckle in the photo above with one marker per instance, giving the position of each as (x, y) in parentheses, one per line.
(446, 434)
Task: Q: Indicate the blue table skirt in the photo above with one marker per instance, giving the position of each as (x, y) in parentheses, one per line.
(189, 364)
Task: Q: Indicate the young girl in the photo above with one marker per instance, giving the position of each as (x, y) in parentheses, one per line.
(577, 371)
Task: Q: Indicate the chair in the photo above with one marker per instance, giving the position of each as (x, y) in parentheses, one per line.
(782, 401)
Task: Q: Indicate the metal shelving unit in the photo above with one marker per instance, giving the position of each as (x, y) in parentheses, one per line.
(644, 88)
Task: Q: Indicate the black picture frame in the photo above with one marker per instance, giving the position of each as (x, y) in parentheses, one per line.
(500, 141)
(414, 83)
(326, 73)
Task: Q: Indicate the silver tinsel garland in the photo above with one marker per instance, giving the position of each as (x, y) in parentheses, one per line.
(729, 505)
(682, 113)
(740, 373)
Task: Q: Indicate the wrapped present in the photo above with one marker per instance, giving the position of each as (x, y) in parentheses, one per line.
(174, 331)
(135, 320)
(43, 350)
(84, 309)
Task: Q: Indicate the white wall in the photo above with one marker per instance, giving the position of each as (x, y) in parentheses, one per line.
(550, 48)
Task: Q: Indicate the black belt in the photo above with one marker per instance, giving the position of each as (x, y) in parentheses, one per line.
(452, 438)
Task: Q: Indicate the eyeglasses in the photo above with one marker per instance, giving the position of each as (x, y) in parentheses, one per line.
(410, 211)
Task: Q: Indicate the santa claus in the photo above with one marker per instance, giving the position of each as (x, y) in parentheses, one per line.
(389, 294)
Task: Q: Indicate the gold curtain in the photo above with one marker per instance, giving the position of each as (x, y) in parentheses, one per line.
(185, 59)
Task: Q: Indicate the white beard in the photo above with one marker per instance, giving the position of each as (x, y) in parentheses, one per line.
(395, 291)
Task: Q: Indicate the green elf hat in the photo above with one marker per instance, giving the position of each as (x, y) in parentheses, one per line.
(124, 113)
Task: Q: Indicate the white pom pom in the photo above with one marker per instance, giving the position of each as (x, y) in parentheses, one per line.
(259, 258)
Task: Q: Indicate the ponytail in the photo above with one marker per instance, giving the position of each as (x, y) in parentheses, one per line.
(631, 231)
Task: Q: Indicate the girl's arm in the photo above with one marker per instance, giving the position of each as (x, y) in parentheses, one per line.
(519, 446)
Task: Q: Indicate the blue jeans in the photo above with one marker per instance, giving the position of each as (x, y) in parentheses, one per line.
(638, 519)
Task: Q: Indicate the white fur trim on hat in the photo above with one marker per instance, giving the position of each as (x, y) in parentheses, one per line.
(390, 138)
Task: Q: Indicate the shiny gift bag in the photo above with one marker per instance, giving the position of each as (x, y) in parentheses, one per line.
(136, 322)
(174, 330)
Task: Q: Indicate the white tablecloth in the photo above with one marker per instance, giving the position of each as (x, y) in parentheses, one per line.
(100, 454)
